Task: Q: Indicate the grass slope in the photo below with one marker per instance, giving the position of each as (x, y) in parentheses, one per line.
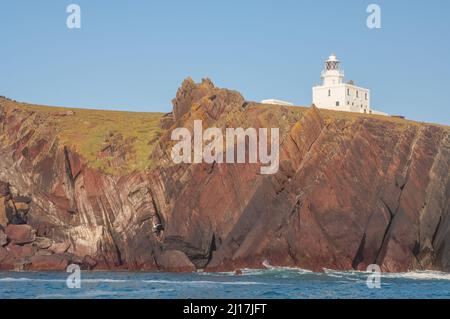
(86, 131)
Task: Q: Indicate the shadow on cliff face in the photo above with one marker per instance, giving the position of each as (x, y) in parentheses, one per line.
(352, 190)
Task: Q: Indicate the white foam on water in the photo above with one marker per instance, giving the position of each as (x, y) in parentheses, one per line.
(204, 282)
(98, 293)
(10, 279)
(99, 280)
(415, 275)
(268, 268)
(344, 272)
(334, 275)
(155, 281)
(220, 273)
(419, 275)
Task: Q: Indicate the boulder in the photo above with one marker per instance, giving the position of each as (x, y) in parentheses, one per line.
(7, 261)
(59, 248)
(43, 242)
(20, 234)
(175, 260)
(48, 263)
(20, 251)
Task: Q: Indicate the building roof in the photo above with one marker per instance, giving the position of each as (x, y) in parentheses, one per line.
(276, 102)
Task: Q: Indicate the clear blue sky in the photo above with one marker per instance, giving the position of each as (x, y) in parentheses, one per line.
(133, 55)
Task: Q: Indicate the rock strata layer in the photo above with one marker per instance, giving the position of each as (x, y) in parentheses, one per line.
(351, 190)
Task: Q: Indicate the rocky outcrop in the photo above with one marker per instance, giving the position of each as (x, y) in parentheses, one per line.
(351, 190)
(175, 260)
(212, 100)
(20, 234)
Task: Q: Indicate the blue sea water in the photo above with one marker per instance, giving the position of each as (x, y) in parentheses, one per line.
(269, 283)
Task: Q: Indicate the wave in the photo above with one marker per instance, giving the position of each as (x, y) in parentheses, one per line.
(276, 270)
(415, 275)
(353, 275)
(154, 281)
(271, 271)
(104, 280)
(87, 280)
(10, 279)
(419, 275)
(219, 273)
(266, 264)
(204, 282)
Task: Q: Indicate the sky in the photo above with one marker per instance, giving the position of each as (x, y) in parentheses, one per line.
(133, 55)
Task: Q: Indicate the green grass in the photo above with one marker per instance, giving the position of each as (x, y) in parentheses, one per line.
(86, 131)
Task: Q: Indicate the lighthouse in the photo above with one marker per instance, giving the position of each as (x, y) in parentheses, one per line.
(335, 94)
(332, 74)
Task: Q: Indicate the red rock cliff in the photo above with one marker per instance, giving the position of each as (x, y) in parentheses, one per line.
(352, 190)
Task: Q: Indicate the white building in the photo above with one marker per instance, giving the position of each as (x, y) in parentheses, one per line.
(276, 102)
(334, 94)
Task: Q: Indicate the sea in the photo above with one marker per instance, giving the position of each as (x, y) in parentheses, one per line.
(275, 283)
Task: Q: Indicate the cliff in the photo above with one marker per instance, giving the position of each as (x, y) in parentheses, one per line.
(99, 188)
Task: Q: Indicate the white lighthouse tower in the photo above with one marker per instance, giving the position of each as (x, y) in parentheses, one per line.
(335, 94)
(332, 74)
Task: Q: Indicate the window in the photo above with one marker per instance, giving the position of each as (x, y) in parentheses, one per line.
(337, 103)
(357, 94)
(329, 92)
(348, 102)
(366, 96)
(348, 91)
